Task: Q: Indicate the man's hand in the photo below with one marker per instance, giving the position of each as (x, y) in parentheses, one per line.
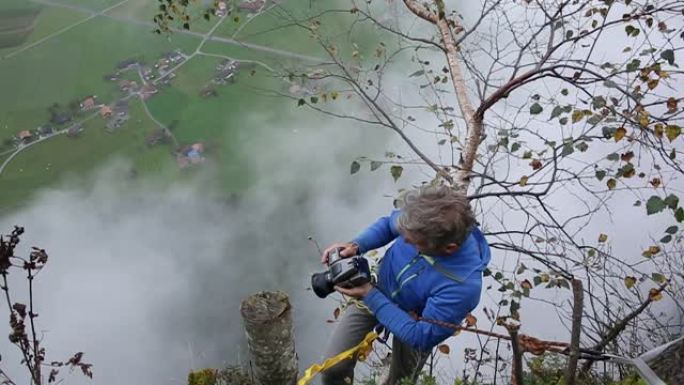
(347, 250)
(357, 292)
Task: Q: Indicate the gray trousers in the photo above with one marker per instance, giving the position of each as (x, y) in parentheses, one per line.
(352, 327)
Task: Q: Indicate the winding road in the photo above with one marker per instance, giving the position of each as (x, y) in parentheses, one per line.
(209, 36)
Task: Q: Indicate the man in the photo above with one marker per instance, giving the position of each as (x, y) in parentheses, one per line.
(432, 270)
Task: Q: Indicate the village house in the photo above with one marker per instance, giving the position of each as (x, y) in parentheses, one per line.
(127, 64)
(106, 112)
(226, 71)
(208, 92)
(190, 155)
(252, 5)
(74, 130)
(60, 118)
(128, 85)
(121, 107)
(175, 57)
(148, 90)
(88, 103)
(25, 136)
(147, 73)
(157, 136)
(221, 9)
(45, 130)
(111, 77)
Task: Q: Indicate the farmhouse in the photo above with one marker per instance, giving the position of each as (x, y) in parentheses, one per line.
(60, 118)
(252, 5)
(88, 103)
(106, 112)
(25, 136)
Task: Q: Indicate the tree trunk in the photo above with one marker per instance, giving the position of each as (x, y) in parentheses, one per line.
(577, 308)
(270, 336)
(517, 369)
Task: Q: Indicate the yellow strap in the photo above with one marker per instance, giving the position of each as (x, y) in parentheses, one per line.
(362, 351)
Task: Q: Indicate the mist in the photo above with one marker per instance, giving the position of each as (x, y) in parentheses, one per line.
(147, 279)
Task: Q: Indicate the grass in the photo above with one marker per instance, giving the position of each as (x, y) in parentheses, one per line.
(49, 20)
(145, 10)
(61, 157)
(93, 5)
(71, 66)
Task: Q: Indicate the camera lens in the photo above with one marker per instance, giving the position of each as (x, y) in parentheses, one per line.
(321, 284)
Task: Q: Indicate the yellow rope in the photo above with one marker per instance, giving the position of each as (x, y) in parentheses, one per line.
(362, 350)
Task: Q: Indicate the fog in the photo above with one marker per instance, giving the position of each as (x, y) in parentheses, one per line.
(147, 280)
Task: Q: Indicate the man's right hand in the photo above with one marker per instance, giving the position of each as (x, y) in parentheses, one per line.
(346, 250)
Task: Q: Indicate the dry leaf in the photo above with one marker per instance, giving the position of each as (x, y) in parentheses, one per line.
(444, 348)
(471, 320)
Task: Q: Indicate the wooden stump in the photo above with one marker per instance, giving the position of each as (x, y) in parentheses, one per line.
(270, 336)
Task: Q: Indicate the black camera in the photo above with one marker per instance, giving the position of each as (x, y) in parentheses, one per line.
(343, 272)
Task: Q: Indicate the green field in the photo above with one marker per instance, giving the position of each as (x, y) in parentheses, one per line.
(49, 20)
(93, 5)
(70, 65)
(61, 157)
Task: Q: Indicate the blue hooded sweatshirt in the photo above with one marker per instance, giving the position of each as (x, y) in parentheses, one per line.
(444, 288)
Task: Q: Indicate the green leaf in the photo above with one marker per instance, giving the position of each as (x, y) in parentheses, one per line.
(672, 131)
(634, 65)
(374, 165)
(567, 149)
(417, 73)
(515, 147)
(666, 239)
(598, 102)
(537, 280)
(563, 121)
(632, 31)
(600, 174)
(582, 146)
(612, 183)
(536, 109)
(577, 115)
(314, 99)
(613, 157)
(564, 92)
(668, 55)
(557, 111)
(301, 102)
(659, 278)
(355, 167)
(630, 282)
(679, 215)
(672, 229)
(655, 205)
(396, 172)
(672, 201)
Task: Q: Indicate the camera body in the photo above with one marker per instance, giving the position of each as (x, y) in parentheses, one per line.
(343, 272)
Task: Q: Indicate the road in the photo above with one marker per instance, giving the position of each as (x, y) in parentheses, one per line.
(208, 36)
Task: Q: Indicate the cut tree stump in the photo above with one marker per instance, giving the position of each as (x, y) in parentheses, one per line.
(267, 317)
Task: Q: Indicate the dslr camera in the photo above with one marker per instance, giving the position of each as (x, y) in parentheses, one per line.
(343, 272)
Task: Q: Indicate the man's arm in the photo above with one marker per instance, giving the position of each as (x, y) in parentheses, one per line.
(451, 305)
(380, 233)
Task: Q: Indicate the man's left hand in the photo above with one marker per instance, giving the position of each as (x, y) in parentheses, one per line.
(357, 292)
